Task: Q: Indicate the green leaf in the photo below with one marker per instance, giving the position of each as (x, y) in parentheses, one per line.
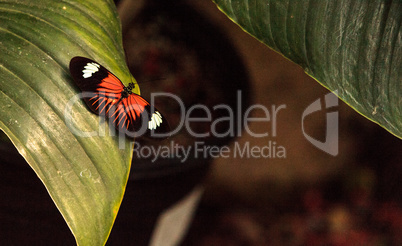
(350, 46)
(85, 176)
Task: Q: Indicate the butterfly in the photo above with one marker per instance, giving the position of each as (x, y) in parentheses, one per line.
(106, 95)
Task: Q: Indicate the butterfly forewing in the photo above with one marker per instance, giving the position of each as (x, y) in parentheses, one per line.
(101, 88)
(105, 95)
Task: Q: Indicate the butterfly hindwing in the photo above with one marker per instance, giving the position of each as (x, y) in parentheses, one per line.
(106, 95)
(134, 115)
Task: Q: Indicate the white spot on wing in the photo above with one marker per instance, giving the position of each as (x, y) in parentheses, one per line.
(155, 121)
(90, 69)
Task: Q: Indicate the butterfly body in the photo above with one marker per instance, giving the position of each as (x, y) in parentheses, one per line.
(106, 95)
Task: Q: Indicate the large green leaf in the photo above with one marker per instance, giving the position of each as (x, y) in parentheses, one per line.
(353, 46)
(85, 176)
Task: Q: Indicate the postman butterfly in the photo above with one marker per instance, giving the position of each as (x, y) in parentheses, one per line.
(106, 95)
